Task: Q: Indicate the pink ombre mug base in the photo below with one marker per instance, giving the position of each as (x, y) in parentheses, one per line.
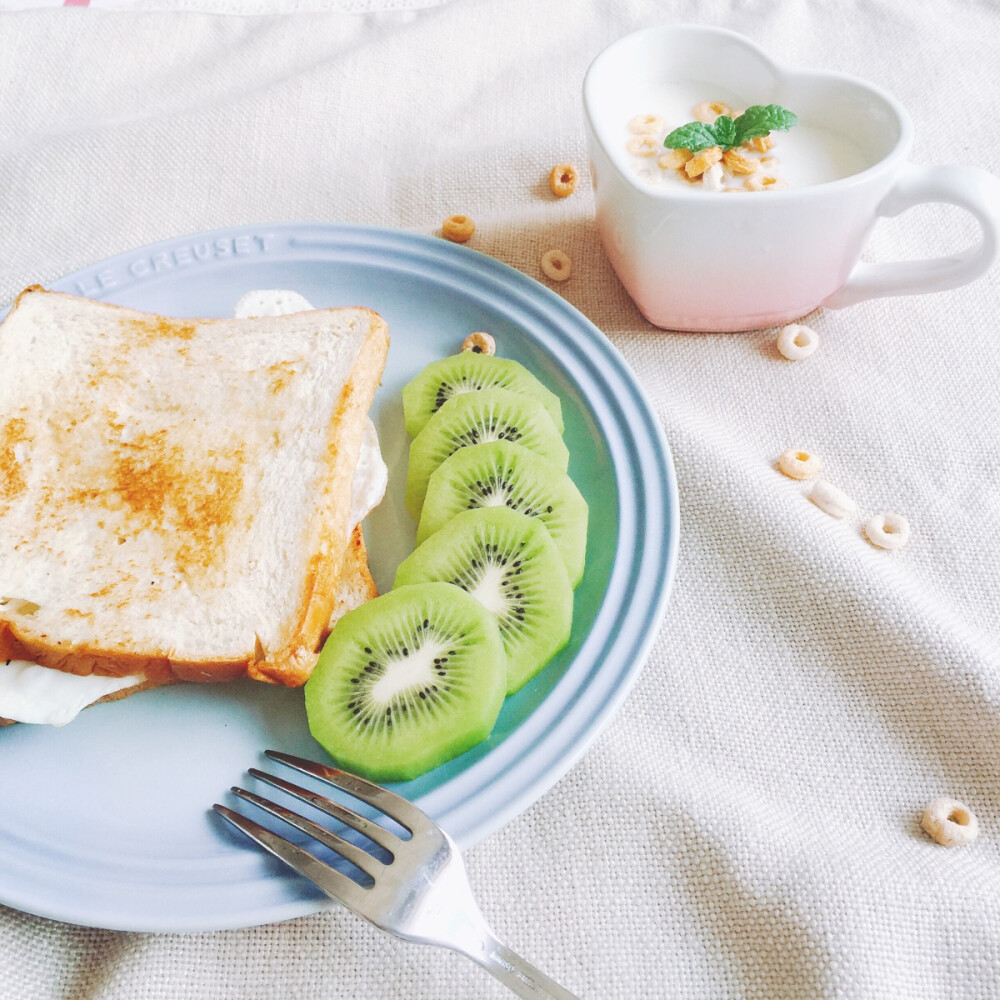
(675, 308)
(721, 324)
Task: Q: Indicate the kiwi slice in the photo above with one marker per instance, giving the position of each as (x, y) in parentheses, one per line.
(499, 473)
(470, 372)
(510, 564)
(474, 417)
(407, 681)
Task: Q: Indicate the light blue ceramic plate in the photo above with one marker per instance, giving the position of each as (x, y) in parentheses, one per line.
(107, 822)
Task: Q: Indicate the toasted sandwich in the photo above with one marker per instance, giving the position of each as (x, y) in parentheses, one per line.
(175, 494)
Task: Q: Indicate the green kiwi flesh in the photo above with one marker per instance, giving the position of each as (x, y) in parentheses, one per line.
(510, 564)
(499, 473)
(474, 417)
(427, 392)
(407, 681)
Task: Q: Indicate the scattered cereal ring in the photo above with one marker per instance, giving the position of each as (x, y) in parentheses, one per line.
(798, 464)
(708, 111)
(700, 162)
(644, 124)
(765, 182)
(737, 163)
(831, 500)
(457, 228)
(643, 145)
(479, 343)
(796, 342)
(761, 144)
(674, 159)
(888, 530)
(769, 163)
(556, 265)
(949, 822)
(562, 180)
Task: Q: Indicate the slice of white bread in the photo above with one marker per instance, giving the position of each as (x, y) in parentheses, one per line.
(175, 494)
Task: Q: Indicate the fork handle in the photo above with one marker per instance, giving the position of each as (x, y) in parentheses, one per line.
(517, 975)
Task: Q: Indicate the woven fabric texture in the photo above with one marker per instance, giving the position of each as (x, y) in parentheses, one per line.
(748, 824)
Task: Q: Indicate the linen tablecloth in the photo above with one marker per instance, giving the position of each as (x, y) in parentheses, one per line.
(748, 825)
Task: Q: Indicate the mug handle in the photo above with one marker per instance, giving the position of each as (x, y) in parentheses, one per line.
(975, 190)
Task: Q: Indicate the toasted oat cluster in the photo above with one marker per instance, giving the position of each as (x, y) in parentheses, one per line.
(752, 167)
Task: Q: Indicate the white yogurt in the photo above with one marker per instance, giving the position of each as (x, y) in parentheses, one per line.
(371, 476)
(270, 302)
(30, 693)
(805, 155)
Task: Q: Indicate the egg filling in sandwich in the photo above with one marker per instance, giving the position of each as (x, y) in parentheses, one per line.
(180, 499)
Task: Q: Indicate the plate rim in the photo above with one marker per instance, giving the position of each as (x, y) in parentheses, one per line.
(574, 736)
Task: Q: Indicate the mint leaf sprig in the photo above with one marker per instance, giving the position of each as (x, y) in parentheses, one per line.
(728, 133)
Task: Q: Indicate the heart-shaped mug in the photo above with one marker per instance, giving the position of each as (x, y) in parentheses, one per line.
(695, 259)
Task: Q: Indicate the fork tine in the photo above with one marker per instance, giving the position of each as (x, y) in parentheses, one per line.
(358, 857)
(375, 833)
(335, 884)
(393, 805)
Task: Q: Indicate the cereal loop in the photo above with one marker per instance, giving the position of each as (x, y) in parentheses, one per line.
(708, 111)
(765, 182)
(797, 342)
(761, 144)
(830, 500)
(643, 145)
(949, 822)
(645, 124)
(457, 228)
(556, 265)
(479, 343)
(888, 531)
(562, 180)
(798, 464)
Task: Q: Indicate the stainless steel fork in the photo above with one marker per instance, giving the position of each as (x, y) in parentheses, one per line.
(419, 893)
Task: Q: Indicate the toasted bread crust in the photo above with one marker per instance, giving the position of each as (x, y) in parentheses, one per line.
(81, 661)
(354, 588)
(355, 585)
(291, 663)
